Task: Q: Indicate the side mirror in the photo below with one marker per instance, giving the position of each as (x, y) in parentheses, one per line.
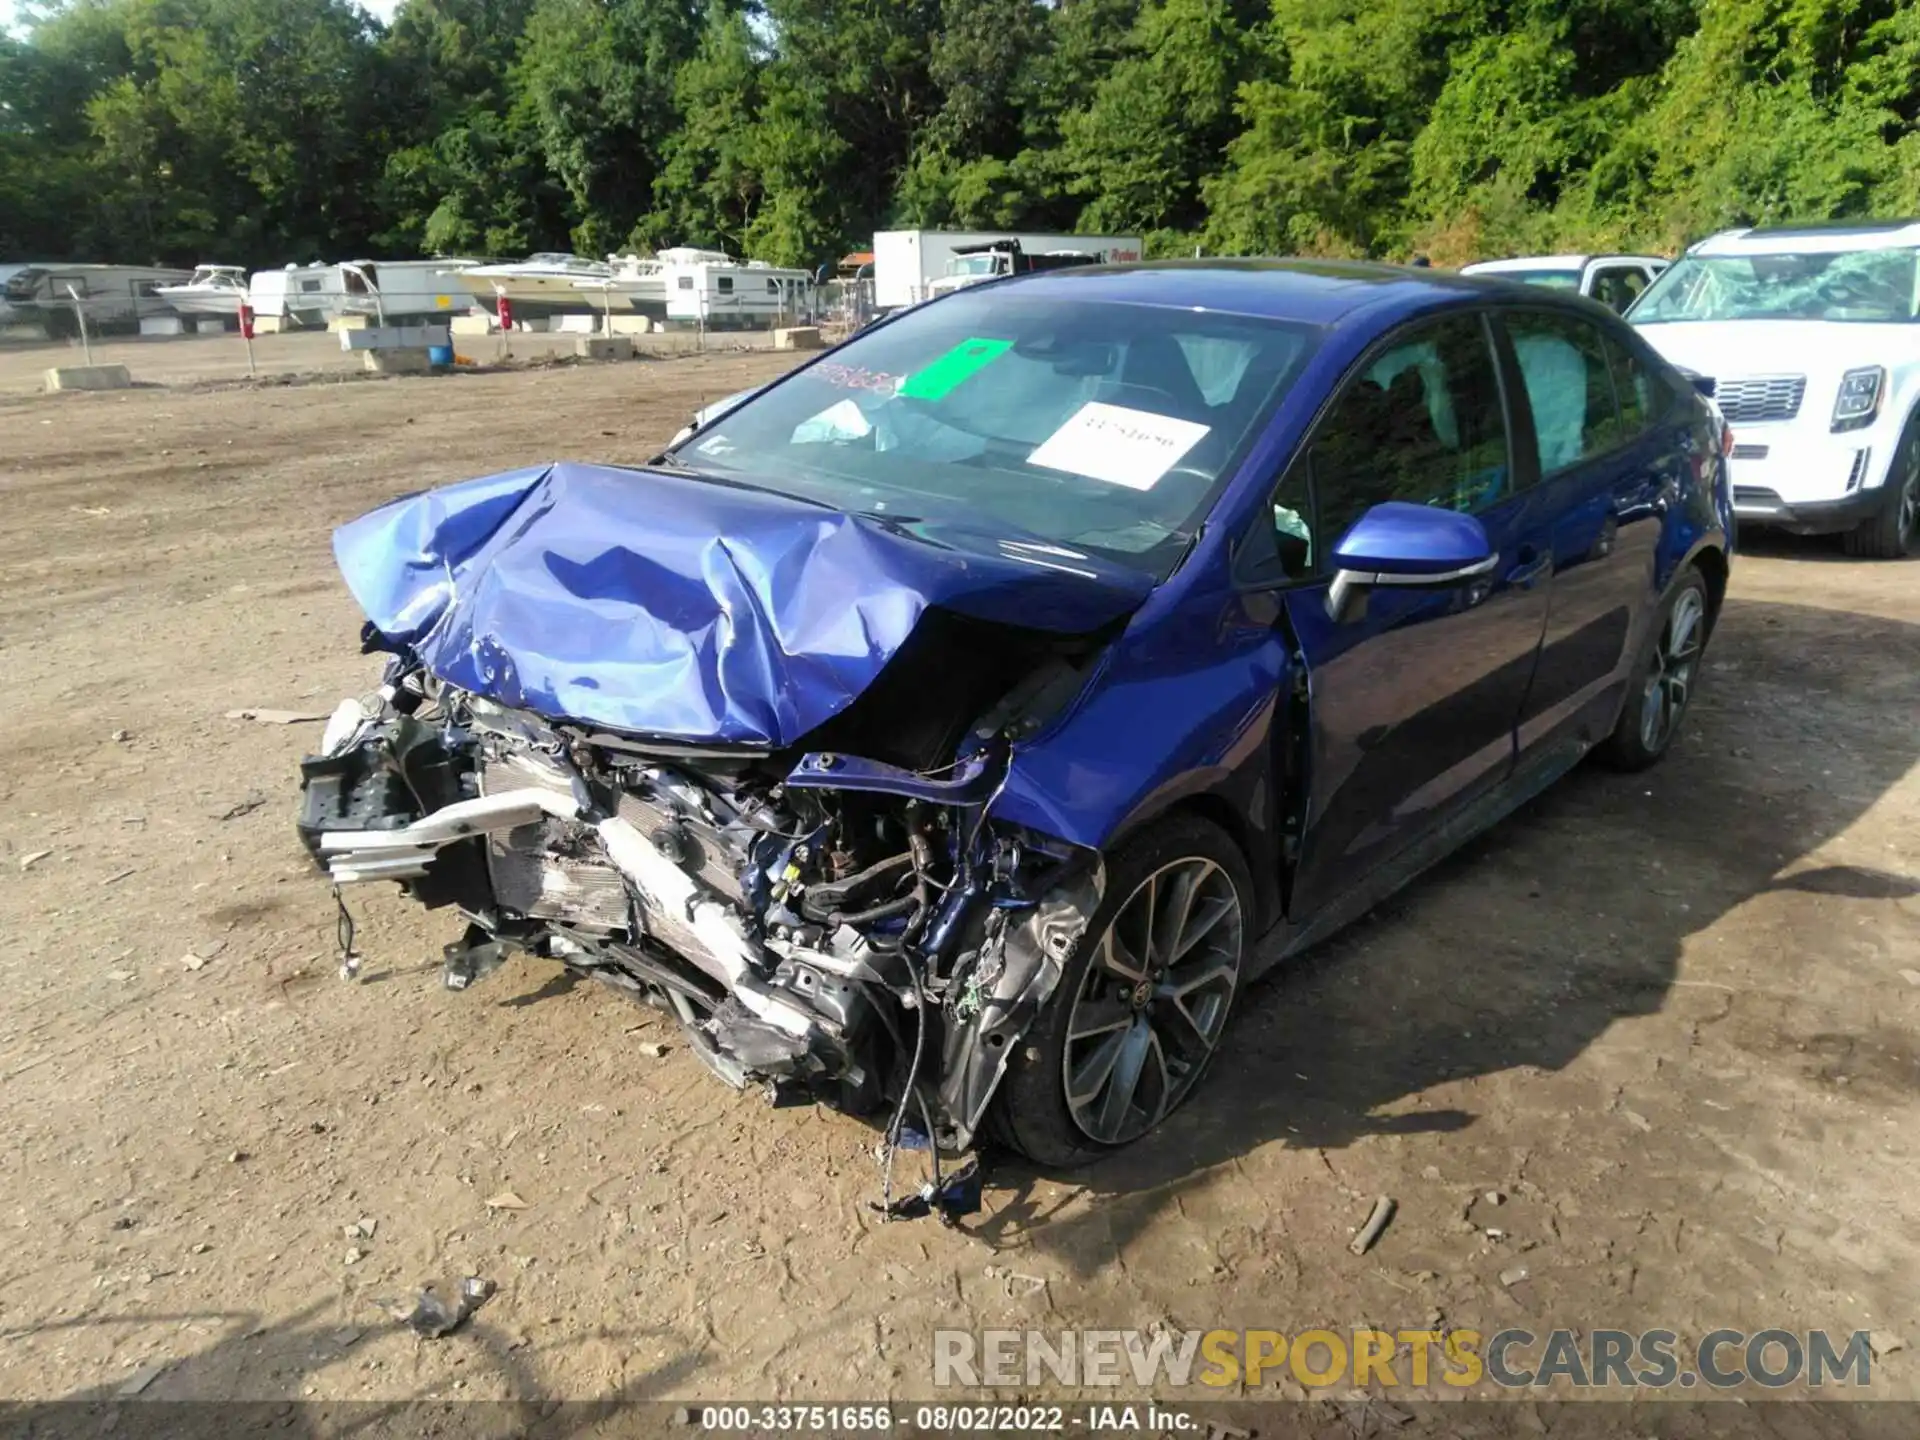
(1702, 384)
(1397, 544)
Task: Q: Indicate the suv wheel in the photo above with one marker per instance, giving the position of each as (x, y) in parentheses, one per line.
(1890, 535)
(1126, 1035)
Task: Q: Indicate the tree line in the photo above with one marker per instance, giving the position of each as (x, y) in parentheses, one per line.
(268, 131)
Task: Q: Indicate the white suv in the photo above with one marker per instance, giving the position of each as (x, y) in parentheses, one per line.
(1811, 339)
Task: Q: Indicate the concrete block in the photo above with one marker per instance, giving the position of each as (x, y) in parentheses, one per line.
(209, 325)
(632, 325)
(160, 325)
(396, 362)
(478, 323)
(88, 377)
(350, 322)
(798, 337)
(577, 324)
(270, 324)
(603, 347)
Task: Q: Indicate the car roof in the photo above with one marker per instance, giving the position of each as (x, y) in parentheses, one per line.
(1314, 292)
(1522, 263)
(1525, 264)
(1813, 237)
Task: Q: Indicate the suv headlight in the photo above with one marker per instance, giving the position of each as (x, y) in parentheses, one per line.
(1859, 399)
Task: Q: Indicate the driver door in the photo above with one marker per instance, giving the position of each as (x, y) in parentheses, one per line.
(1413, 693)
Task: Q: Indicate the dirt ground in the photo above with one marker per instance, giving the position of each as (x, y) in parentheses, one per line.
(1669, 1020)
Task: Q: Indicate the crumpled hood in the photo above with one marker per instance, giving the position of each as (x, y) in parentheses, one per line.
(673, 607)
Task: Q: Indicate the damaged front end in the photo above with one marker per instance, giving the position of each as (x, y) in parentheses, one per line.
(825, 925)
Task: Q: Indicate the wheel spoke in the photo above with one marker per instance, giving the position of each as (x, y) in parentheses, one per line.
(1163, 1099)
(1652, 711)
(1199, 1037)
(1198, 928)
(1175, 904)
(1178, 989)
(1084, 1083)
(1096, 1017)
(1117, 958)
(1130, 1061)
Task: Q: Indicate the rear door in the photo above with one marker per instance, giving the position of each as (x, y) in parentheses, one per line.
(1414, 694)
(1606, 479)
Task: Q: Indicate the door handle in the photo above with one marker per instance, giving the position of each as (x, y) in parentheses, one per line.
(1532, 567)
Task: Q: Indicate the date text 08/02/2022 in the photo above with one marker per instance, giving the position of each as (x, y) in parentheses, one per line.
(1148, 1418)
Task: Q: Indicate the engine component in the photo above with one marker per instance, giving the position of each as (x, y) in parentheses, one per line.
(867, 944)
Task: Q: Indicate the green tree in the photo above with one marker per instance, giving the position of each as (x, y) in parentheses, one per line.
(594, 82)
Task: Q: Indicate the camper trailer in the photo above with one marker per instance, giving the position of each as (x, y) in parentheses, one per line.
(391, 292)
(711, 290)
(401, 292)
(112, 297)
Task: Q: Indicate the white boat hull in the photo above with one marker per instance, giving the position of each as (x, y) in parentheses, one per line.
(202, 303)
(535, 297)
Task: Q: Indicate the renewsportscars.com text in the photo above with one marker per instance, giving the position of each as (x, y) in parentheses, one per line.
(1509, 1359)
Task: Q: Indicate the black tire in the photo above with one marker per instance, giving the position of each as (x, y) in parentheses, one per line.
(1031, 1112)
(1639, 741)
(1891, 534)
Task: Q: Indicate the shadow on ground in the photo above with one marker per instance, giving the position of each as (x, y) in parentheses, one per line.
(258, 1359)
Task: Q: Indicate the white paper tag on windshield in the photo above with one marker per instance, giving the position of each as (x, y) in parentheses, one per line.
(1126, 447)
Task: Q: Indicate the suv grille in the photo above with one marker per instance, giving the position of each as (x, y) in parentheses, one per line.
(1760, 397)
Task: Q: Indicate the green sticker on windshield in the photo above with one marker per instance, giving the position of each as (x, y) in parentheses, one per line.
(945, 375)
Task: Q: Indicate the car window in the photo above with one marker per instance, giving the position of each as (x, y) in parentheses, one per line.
(1618, 286)
(1564, 368)
(1642, 397)
(1421, 423)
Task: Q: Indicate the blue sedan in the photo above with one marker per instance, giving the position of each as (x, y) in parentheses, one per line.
(952, 729)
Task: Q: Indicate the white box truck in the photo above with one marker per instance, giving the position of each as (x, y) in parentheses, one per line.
(906, 263)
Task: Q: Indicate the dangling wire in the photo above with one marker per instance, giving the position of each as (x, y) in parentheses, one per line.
(343, 932)
(899, 1120)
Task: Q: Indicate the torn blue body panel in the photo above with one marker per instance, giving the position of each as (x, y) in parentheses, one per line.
(682, 609)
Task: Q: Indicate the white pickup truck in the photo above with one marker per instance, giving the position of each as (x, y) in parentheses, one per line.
(1810, 337)
(1614, 280)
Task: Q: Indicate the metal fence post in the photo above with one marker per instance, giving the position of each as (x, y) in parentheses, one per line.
(80, 315)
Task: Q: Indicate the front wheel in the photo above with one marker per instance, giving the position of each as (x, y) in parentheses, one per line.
(1662, 685)
(1891, 534)
(1126, 1035)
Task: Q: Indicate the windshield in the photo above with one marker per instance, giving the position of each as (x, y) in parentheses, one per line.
(1866, 286)
(972, 264)
(1106, 428)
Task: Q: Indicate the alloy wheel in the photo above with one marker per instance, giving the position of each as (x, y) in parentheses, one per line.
(1670, 682)
(1154, 1000)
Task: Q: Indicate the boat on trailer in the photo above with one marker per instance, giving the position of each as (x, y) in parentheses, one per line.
(213, 290)
(540, 287)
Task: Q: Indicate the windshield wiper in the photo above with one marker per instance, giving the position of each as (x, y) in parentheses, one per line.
(674, 465)
(667, 460)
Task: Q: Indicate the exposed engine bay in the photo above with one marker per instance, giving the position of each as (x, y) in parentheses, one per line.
(839, 921)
